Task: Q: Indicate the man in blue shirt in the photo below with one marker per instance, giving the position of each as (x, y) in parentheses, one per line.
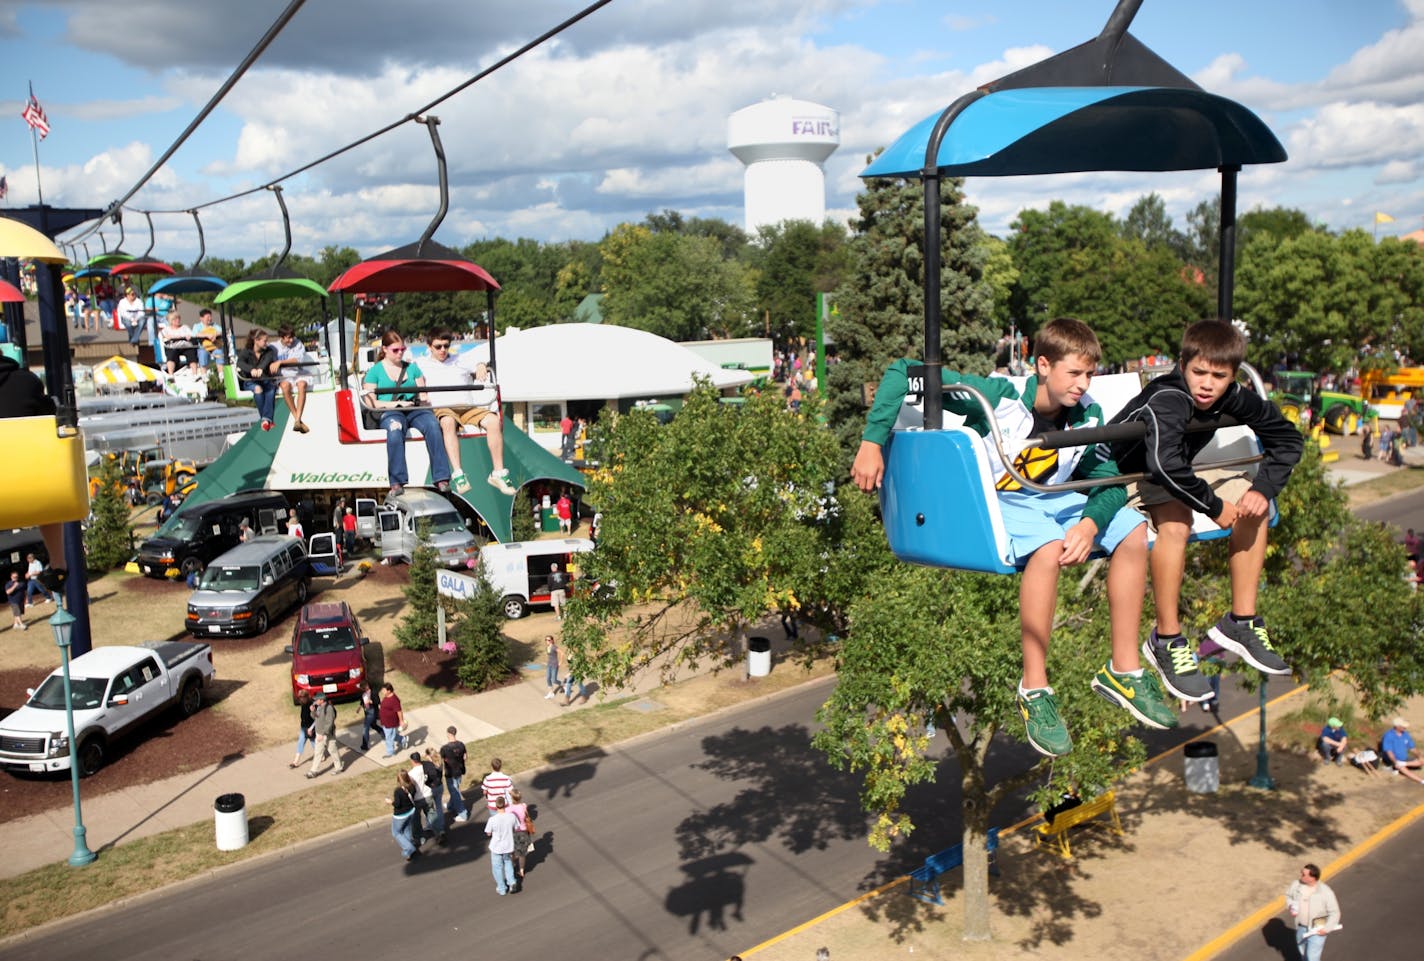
(1332, 741)
(1399, 750)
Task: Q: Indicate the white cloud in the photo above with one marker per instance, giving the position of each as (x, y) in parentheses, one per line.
(1398, 172)
(1351, 134)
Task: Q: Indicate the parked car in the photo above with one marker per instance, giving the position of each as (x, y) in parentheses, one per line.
(402, 518)
(242, 590)
(114, 690)
(203, 531)
(328, 651)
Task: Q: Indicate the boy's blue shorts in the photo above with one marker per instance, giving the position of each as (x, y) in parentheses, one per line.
(1032, 520)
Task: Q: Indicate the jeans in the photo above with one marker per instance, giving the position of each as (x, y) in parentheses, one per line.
(437, 823)
(395, 423)
(392, 736)
(551, 675)
(457, 800)
(372, 723)
(401, 830)
(33, 587)
(302, 739)
(1310, 945)
(502, 867)
(263, 396)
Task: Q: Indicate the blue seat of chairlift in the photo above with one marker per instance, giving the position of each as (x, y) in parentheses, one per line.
(938, 502)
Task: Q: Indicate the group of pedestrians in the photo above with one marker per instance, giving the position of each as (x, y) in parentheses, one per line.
(19, 592)
(569, 683)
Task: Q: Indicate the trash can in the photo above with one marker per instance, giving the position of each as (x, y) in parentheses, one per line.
(230, 821)
(758, 657)
(1203, 767)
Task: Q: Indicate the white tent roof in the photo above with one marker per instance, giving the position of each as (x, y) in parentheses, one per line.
(597, 362)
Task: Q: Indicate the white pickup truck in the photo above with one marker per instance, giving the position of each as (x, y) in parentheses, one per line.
(113, 691)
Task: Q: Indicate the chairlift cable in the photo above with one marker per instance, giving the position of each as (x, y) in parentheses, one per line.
(414, 115)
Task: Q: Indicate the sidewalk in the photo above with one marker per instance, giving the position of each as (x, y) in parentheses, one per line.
(148, 809)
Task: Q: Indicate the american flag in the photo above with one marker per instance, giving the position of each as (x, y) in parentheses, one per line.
(35, 116)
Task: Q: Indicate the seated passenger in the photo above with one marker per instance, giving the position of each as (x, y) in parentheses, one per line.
(291, 356)
(405, 408)
(457, 408)
(1399, 752)
(1332, 741)
(256, 368)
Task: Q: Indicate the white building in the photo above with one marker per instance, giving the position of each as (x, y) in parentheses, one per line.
(783, 143)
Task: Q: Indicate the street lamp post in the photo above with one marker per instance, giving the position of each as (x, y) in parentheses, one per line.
(1263, 779)
(62, 624)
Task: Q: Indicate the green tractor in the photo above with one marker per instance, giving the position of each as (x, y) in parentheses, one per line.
(1339, 412)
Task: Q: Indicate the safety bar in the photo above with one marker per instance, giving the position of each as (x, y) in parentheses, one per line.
(1087, 436)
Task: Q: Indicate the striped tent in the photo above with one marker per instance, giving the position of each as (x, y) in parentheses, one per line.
(120, 373)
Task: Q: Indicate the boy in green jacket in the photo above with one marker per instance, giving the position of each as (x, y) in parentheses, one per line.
(1050, 531)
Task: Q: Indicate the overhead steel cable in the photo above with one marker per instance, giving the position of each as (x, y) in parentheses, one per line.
(261, 47)
(414, 115)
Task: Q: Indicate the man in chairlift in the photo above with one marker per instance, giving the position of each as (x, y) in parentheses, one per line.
(465, 408)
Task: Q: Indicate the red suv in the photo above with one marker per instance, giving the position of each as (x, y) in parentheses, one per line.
(328, 651)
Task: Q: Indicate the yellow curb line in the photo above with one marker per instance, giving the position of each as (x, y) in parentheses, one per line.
(1246, 925)
(1015, 827)
(822, 917)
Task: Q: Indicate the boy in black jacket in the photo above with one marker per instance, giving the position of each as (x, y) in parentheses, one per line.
(1203, 388)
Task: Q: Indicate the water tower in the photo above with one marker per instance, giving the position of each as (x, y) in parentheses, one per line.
(783, 143)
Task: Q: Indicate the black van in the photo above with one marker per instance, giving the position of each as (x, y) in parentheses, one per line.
(200, 532)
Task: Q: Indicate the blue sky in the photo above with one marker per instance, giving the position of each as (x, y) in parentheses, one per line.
(626, 113)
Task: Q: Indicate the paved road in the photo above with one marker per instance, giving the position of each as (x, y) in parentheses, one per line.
(1378, 895)
(1404, 511)
(693, 844)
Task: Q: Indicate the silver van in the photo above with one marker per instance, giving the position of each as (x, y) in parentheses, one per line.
(242, 591)
(402, 516)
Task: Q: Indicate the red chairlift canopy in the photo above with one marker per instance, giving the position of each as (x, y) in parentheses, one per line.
(414, 268)
(141, 268)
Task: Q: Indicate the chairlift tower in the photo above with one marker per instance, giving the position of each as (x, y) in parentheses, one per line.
(784, 142)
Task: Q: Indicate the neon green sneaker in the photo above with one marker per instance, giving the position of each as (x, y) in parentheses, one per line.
(1142, 697)
(1046, 731)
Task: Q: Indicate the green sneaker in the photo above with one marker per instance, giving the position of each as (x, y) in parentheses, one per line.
(1142, 697)
(1046, 730)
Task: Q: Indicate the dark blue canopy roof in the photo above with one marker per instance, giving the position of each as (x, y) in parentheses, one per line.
(189, 282)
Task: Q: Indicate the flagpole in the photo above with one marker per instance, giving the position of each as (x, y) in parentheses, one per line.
(35, 142)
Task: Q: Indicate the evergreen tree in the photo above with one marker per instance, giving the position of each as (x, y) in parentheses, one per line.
(880, 308)
(419, 629)
(479, 637)
(109, 540)
(522, 525)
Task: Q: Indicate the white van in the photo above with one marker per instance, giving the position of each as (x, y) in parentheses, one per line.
(519, 570)
(400, 517)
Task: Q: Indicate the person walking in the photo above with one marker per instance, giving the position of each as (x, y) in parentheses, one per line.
(1316, 911)
(423, 796)
(523, 832)
(496, 785)
(402, 814)
(435, 780)
(500, 830)
(15, 594)
(392, 720)
(558, 590)
(370, 715)
(33, 584)
(551, 666)
(324, 730)
(452, 756)
(304, 726)
(348, 532)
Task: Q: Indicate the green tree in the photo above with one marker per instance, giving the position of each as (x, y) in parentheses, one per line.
(419, 629)
(108, 542)
(676, 285)
(795, 261)
(1043, 244)
(1148, 222)
(479, 638)
(709, 522)
(880, 308)
(522, 526)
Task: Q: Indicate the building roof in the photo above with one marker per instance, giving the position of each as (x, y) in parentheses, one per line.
(598, 362)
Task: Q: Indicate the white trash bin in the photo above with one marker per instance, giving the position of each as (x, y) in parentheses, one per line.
(230, 821)
(1203, 767)
(758, 656)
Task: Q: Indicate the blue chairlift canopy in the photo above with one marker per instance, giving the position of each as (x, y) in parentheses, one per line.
(189, 282)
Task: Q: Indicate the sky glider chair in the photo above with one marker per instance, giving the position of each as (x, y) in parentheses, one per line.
(50, 484)
(1108, 104)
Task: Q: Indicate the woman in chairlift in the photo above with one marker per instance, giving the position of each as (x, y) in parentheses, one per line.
(256, 371)
(403, 409)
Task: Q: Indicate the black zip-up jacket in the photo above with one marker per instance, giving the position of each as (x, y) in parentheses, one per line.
(1166, 453)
